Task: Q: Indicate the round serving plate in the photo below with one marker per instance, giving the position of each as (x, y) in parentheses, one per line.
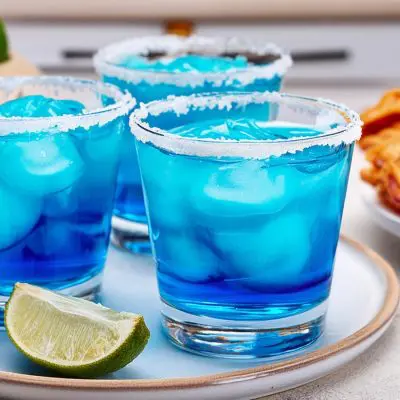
(365, 295)
(383, 216)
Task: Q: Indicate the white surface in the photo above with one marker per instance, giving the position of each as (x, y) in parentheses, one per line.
(383, 216)
(358, 293)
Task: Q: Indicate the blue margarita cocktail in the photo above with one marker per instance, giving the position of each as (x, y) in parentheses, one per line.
(244, 193)
(59, 151)
(153, 68)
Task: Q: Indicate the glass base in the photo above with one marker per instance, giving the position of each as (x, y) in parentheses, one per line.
(131, 236)
(240, 339)
(88, 289)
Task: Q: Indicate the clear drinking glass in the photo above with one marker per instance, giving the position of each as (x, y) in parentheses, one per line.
(146, 83)
(244, 224)
(57, 184)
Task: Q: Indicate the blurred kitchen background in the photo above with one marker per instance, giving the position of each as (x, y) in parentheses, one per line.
(348, 50)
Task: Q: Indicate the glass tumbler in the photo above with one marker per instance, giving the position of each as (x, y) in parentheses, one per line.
(57, 185)
(265, 72)
(244, 227)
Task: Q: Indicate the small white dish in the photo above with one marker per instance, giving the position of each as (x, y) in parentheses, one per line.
(382, 215)
(364, 299)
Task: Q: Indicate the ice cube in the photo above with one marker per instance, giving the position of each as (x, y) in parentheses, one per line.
(199, 63)
(40, 106)
(103, 144)
(18, 215)
(186, 257)
(185, 63)
(237, 129)
(213, 129)
(39, 167)
(324, 180)
(244, 129)
(167, 179)
(60, 249)
(167, 206)
(134, 62)
(52, 237)
(270, 256)
(55, 237)
(100, 151)
(255, 129)
(320, 159)
(244, 189)
(61, 204)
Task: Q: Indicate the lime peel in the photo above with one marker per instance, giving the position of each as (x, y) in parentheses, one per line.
(72, 336)
(3, 43)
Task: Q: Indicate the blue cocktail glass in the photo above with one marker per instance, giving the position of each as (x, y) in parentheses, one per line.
(57, 184)
(265, 71)
(244, 194)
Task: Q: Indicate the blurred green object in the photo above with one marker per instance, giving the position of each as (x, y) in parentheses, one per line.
(3, 43)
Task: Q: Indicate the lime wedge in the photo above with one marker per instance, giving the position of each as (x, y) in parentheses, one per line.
(3, 43)
(72, 336)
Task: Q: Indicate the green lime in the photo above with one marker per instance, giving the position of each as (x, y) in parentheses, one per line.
(3, 43)
(72, 336)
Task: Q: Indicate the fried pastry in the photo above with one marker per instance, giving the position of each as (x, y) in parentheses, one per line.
(383, 115)
(389, 189)
(379, 155)
(384, 135)
(381, 142)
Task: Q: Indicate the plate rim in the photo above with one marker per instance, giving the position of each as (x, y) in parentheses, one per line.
(379, 322)
(370, 197)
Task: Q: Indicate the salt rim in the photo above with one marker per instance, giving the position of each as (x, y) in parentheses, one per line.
(256, 149)
(104, 60)
(97, 117)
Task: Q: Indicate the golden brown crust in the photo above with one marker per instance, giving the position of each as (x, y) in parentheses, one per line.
(385, 134)
(384, 114)
(381, 142)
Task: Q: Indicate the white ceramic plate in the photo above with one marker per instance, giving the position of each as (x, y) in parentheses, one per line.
(382, 215)
(364, 298)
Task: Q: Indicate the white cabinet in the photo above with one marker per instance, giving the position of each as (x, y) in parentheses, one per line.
(333, 53)
(68, 47)
(330, 51)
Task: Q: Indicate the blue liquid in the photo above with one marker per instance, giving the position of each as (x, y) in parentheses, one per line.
(129, 202)
(186, 63)
(244, 239)
(56, 198)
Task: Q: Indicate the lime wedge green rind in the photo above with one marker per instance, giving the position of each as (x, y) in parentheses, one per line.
(3, 43)
(79, 318)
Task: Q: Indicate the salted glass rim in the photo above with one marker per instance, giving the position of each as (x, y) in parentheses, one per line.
(105, 59)
(162, 138)
(123, 104)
